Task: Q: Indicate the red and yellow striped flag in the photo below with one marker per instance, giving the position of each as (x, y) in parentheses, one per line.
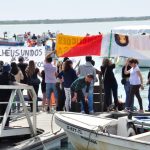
(71, 46)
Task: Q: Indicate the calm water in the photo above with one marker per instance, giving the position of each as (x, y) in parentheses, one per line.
(69, 28)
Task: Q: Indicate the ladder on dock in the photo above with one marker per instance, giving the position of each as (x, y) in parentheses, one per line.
(5, 132)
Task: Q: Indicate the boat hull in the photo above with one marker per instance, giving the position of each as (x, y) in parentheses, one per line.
(93, 139)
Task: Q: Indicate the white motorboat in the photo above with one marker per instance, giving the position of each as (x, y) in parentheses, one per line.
(87, 132)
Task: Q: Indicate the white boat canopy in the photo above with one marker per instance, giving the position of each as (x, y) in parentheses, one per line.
(129, 30)
(128, 41)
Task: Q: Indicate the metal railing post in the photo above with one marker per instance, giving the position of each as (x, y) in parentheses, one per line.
(34, 100)
(7, 111)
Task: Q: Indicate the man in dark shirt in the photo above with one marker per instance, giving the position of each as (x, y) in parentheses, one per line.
(148, 82)
(77, 93)
(23, 67)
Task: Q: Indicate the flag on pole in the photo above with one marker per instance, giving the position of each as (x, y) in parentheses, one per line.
(71, 46)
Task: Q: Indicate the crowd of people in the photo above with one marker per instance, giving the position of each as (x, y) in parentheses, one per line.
(46, 39)
(72, 86)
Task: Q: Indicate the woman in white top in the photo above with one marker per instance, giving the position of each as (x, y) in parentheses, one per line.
(18, 76)
(136, 82)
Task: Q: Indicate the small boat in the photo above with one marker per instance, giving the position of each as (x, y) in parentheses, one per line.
(10, 42)
(87, 132)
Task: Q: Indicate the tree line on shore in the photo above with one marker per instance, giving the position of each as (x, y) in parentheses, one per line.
(85, 20)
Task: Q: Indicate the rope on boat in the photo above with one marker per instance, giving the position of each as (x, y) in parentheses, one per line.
(54, 133)
(99, 128)
(52, 125)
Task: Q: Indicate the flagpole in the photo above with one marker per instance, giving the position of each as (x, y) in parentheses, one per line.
(110, 45)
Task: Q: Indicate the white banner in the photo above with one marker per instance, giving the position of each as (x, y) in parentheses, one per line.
(137, 51)
(11, 54)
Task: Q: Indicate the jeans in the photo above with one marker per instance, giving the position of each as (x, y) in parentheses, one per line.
(149, 98)
(51, 87)
(90, 99)
(127, 91)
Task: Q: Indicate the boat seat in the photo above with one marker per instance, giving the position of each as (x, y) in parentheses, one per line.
(123, 129)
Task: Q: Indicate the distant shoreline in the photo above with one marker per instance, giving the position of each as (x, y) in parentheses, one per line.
(60, 21)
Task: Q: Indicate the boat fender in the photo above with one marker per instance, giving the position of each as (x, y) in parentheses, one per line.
(131, 132)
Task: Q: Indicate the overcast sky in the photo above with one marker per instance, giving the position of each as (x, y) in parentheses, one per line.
(64, 9)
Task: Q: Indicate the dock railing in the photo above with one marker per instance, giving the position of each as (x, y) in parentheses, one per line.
(32, 124)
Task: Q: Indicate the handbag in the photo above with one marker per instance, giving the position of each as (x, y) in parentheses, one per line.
(123, 81)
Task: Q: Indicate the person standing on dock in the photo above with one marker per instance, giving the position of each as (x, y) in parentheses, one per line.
(77, 92)
(126, 83)
(50, 80)
(148, 83)
(22, 65)
(32, 73)
(136, 82)
(67, 76)
(110, 84)
(83, 71)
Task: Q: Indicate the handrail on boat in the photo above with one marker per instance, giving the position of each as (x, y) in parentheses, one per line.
(32, 124)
